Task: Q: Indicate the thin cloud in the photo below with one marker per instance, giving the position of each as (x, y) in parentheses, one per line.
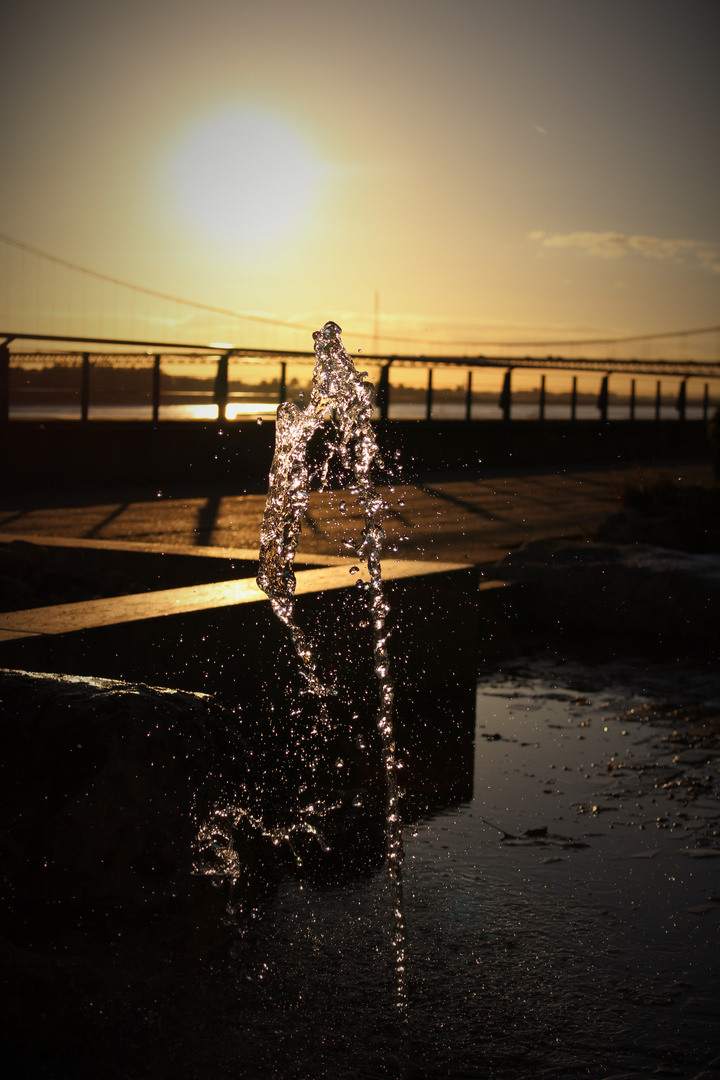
(615, 245)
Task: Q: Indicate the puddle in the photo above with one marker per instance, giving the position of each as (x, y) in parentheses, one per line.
(561, 923)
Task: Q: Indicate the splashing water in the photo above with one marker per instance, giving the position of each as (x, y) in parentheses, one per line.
(341, 401)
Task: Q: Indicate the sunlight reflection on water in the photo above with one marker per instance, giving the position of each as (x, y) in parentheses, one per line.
(267, 409)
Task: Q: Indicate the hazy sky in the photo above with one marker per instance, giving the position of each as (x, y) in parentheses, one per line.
(495, 169)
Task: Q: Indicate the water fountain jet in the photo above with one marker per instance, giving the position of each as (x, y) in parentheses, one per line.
(340, 403)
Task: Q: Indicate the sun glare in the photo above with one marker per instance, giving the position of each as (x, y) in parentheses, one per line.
(244, 176)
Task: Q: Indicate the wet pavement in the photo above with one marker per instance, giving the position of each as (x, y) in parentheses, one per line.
(562, 922)
(458, 517)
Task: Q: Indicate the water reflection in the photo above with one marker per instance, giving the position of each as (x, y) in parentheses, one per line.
(398, 411)
(245, 410)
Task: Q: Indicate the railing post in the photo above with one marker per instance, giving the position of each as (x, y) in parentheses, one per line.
(429, 395)
(541, 409)
(573, 399)
(468, 397)
(632, 399)
(282, 390)
(603, 396)
(681, 403)
(383, 391)
(156, 388)
(706, 402)
(658, 399)
(5, 381)
(506, 395)
(220, 393)
(85, 386)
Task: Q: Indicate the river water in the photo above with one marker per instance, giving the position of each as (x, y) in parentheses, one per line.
(562, 922)
(398, 411)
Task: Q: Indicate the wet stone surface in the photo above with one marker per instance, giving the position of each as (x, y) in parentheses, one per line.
(563, 923)
(591, 854)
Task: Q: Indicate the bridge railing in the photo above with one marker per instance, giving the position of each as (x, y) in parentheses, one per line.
(87, 384)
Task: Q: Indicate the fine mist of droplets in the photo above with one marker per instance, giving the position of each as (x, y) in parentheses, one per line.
(341, 398)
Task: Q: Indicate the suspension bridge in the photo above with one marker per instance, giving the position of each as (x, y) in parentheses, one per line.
(57, 315)
(44, 297)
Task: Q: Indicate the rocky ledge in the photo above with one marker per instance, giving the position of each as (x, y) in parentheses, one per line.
(666, 514)
(639, 590)
(107, 921)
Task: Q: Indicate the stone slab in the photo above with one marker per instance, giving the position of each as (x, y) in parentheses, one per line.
(89, 614)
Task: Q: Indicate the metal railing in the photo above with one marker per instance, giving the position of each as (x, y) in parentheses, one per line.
(157, 352)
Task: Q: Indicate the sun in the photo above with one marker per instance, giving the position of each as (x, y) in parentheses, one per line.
(244, 176)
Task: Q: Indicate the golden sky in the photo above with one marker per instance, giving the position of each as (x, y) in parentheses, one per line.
(494, 170)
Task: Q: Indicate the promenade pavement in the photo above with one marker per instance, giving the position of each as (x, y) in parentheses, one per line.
(458, 518)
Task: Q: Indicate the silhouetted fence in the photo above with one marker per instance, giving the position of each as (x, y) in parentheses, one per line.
(77, 396)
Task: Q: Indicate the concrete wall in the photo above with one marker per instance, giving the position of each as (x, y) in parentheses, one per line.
(71, 453)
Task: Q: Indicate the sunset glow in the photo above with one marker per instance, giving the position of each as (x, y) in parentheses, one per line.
(243, 177)
(494, 172)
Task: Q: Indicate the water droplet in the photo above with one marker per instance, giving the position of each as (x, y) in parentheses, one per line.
(339, 764)
(259, 421)
(401, 502)
(341, 402)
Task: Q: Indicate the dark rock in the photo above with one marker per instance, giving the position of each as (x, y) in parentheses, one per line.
(666, 514)
(104, 910)
(644, 591)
